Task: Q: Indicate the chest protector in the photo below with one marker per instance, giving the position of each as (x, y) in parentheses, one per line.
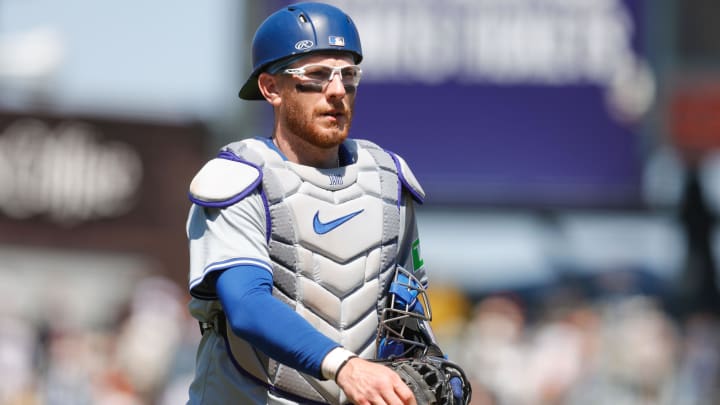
(333, 240)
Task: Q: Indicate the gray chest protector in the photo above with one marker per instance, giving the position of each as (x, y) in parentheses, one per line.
(333, 242)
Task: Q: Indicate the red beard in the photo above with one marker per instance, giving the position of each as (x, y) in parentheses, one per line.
(324, 129)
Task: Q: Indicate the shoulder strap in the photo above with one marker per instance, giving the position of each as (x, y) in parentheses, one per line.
(400, 166)
(408, 179)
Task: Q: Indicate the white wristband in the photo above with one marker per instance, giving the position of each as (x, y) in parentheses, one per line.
(332, 362)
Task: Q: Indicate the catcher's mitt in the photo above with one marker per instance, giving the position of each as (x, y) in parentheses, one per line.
(433, 380)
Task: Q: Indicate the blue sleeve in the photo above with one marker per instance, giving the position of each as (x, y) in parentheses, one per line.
(256, 316)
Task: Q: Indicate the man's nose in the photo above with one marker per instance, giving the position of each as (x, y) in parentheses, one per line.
(335, 86)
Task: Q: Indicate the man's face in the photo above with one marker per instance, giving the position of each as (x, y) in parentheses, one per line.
(319, 114)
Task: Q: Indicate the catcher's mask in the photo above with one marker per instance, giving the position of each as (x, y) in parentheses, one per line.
(403, 330)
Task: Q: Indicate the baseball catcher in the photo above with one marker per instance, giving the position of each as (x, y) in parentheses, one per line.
(405, 343)
(295, 240)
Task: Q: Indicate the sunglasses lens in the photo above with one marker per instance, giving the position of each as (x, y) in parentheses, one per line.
(350, 75)
(317, 73)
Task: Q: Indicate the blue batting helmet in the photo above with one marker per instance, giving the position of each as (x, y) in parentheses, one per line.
(300, 29)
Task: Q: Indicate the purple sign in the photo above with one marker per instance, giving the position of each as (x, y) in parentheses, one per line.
(519, 145)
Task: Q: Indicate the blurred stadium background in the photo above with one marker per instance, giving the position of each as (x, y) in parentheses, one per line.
(569, 149)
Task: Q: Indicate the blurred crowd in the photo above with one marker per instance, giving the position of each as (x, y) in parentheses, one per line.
(552, 346)
(570, 348)
(144, 356)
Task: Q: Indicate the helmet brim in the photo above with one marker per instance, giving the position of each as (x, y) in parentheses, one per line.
(250, 90)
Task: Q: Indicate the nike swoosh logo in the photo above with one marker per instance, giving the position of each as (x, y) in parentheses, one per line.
(322, 228)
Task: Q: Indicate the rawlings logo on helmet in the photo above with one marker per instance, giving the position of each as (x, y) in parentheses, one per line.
(304, 44)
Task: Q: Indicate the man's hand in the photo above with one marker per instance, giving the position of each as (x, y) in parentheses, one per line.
(368, 383)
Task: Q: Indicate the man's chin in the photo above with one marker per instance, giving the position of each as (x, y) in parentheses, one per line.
(330, 140)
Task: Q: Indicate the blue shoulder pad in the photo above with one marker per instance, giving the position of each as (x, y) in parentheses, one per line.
(223, 181)
(408, 178)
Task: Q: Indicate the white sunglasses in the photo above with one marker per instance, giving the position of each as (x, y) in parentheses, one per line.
(322, 74)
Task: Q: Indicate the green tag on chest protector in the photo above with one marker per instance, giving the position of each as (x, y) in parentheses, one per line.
(417, 260)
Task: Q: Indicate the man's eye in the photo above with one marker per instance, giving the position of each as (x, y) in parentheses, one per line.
(317, 74)
(349, 72)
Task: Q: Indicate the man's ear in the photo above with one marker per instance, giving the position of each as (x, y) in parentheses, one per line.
(270, 89)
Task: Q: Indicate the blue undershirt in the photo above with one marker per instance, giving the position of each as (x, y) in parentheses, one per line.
(269, 324)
